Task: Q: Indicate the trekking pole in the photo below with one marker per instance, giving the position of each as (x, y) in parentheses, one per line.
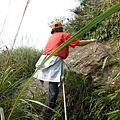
(97, 43)
(64, 101)
(2, 113)
(108, 52)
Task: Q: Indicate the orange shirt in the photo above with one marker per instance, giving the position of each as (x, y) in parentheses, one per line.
(55, 40)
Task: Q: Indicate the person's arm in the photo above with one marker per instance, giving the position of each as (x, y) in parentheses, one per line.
(85, 42)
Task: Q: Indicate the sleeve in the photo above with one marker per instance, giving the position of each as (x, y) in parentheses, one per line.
(73, 43)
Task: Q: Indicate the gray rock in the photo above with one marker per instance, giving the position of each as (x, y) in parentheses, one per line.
(89, 60)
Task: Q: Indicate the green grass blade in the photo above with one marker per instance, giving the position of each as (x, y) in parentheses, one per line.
(104, 62)
(10, 77)
(116, 76)
(39, 103)
(80, 32)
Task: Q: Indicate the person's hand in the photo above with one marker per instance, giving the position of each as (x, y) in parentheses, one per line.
(93, 40)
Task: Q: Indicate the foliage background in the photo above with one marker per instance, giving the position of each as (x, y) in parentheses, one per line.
(88, 10)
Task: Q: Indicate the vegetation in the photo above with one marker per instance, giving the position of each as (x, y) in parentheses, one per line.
(93, 103)
(83, 100)
(26, 57)
(88, 10)
(15, 68)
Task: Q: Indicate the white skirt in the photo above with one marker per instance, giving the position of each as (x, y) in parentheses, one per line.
(52, 70)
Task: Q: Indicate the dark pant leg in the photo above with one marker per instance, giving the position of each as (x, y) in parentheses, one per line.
(51, 97)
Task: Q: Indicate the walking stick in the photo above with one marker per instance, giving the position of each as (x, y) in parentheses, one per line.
(64, 101)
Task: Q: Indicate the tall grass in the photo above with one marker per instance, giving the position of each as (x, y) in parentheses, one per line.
(104, 101)
(15, 68)
(9, 89)
(22, 56)
(28, 1)
(84, 102)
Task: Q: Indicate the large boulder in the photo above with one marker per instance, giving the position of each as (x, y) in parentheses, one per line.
(95, 62)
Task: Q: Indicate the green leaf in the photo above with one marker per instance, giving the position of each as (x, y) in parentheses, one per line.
(104, 62)
(39, 103)
(116, 76)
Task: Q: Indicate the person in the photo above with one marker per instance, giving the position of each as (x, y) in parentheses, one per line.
(53, 70)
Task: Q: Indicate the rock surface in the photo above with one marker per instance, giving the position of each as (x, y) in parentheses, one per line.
(90, 60)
